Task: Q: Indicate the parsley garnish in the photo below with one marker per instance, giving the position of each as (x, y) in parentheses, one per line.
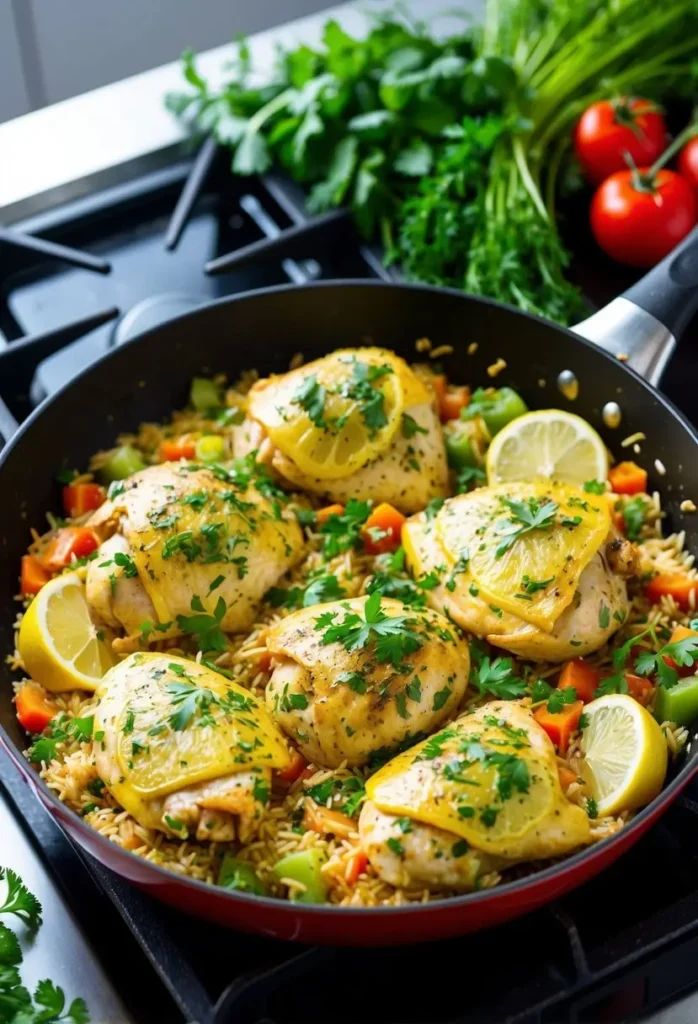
(410, 427)
(530, 586)
(395, 846)
(19, 901)
(634, 514)
(392, 637)
(467, 477)
(604, 615)
(556, 698)
(592, 809)
(526, 516)
(496, 677)
(342, 532)
(371, 399)
(595, 487)
(324, 587)
(207, 628)
(311, 398)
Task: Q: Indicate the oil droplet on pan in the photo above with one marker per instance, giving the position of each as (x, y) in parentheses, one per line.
(612, 415)
(568, 385)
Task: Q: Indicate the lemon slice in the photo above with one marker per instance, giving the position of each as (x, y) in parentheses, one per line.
(625, 754)
(334, 415)
(548, 443)
(58, 641)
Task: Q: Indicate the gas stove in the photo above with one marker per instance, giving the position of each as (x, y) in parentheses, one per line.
(87, 273)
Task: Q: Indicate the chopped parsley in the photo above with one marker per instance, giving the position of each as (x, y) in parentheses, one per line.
(311, 398)
(206, 627)
(604, 615)
(392, 637)
(362, 389)
(410, 427)
(592, 809)
(595, 487)
(395, 846)
(634, 514)
(525, 516)
(322, 587)
(468, 477)
(343, 531)
(556, 698)
(495, 677)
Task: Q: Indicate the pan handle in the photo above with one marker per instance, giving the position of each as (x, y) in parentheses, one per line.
(645, 322)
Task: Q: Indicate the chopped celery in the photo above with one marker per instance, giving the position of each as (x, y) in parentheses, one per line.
(204, 395)
(236, 874)
(304, 866)
(123, 462)
(210, 448)
(496, 406)
(679, 704)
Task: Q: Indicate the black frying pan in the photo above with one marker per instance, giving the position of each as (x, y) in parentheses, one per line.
(149, 377)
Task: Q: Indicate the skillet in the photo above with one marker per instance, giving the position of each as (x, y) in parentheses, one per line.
(149, 377)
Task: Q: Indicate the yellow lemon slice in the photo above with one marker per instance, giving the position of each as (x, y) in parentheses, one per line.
(336, 414)
(549, 443)
(60, 645)
(625, 754)
(528, 544)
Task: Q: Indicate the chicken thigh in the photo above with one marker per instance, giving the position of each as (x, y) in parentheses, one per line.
(352, 677)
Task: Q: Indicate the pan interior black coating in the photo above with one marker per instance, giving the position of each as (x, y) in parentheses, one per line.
(145, 380)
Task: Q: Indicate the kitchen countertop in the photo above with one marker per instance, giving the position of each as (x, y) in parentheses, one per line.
(71, 148)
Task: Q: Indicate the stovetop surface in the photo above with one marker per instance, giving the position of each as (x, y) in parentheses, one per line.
(617, 949)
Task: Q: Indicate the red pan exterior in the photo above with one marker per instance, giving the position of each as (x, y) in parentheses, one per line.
(148, 378)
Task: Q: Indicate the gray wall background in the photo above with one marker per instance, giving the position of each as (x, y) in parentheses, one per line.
(53, 49)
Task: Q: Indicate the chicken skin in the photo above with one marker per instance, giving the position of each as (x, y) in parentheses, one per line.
(356, 424)
(480, 796)
(184, 750)
(179, 539)
(537, 569)
(352, 677)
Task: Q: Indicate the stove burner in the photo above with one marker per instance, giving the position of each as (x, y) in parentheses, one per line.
(151, 312)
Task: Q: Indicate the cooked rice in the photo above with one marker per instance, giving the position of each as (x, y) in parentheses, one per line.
(71, 772)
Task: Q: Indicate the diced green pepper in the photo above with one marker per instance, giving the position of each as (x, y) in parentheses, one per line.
(236, 874)
(123, 462)
(210, 448)
(460, 451)
(204, 395)
(679, 704)
(496, 406)
(304, 866)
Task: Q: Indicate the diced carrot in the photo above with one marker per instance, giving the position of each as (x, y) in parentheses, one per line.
(560, 725)
(34, 709)
(81, 498)
(628, 478)
(582, 677)
(322, 820)
(676, 585)
(323, 514)
(356, 865)
(618, 517)
(381, 531)
(440, 386)
(639, 688)
(453, 403)
(33, 575)
(680, 633)
(566, 776)
(264, 663)
(69, 541)
(176, 448)
(294, 768)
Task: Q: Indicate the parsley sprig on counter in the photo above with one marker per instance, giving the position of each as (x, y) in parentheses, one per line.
(17, 1005)
(451, 150)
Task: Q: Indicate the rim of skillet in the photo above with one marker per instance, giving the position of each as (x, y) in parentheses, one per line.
(569, 864)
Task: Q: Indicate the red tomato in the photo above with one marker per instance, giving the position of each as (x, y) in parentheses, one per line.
(609, 129)
(688, 163)
(639, 225)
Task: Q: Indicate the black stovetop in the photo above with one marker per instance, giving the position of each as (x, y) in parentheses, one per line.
(615, 950)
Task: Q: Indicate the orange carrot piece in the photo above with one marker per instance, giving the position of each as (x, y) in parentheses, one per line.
(639, 688)
(323, 514)
(69, 540)
(676, 585)
(381, 531)
(356, 865)
(322, 820)
(174, 449)
(453, 403)
(560, 725)
(439, 386)
(34, 709)
(81, 498)
(566, 776)
(628, 478)
(293, 769)
(582, 677)
(33, 577)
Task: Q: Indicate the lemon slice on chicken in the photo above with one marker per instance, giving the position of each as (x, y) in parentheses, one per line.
(58, 642)
(527, 544)
(336, 414)
(549, 443)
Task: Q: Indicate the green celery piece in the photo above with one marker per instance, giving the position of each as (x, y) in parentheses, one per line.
(304, 866)
(679, 704)
(204, 395)
(122, 463)
(236, 874)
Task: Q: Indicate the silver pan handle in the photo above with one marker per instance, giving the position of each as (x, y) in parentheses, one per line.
(645, 322)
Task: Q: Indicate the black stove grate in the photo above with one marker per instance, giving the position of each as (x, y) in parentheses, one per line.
(616, 950)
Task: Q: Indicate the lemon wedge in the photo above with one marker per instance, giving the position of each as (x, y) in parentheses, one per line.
(58, 642)
(549, 443)
(333, 416)
(625, 754)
